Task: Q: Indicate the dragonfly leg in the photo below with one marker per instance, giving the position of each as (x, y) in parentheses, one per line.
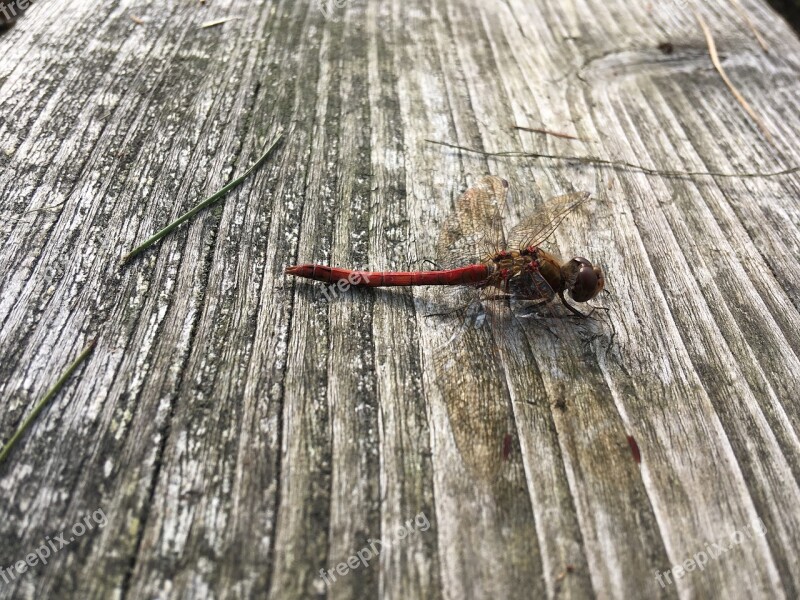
(594, 308)
(505, 276)
(569, 306)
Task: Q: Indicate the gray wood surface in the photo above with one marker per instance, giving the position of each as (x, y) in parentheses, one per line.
(238, 432)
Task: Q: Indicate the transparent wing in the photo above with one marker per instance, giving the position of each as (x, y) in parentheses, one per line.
(475, 228)
(538, 227)
(529, 293)
(530, 286)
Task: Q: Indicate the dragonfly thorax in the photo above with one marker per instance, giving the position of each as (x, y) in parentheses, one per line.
(517, 271)
(514, 271)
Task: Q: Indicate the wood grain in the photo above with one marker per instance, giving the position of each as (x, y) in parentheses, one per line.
(241, 432)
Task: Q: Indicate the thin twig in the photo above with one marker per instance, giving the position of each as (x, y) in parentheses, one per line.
(208, 24)
(204, 204)
(51, 207)
(566, 136)
(712, 50)
(618, 164)
(746, 18)
(46, 399)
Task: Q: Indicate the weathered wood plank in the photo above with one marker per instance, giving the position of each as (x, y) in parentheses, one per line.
(242, 431)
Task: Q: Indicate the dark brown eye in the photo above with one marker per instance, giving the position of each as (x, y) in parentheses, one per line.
(579, 260)
(583, 280)
(585, 285)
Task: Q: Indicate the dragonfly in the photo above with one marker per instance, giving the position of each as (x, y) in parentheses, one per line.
(473, 252)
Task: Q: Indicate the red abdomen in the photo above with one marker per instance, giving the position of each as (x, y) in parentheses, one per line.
(462, 276)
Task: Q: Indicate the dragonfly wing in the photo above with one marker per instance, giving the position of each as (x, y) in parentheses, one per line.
(530, 286)
(538, 227)
(475, 228)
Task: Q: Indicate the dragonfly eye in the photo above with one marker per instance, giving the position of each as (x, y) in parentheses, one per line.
(586, 281)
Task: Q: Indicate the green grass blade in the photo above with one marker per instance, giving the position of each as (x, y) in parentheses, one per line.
(204, 204)
(46, 399)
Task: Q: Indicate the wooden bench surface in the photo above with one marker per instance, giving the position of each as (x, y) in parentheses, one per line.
(238, 432)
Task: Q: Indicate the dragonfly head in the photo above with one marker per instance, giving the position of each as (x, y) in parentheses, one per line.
(583, 280)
